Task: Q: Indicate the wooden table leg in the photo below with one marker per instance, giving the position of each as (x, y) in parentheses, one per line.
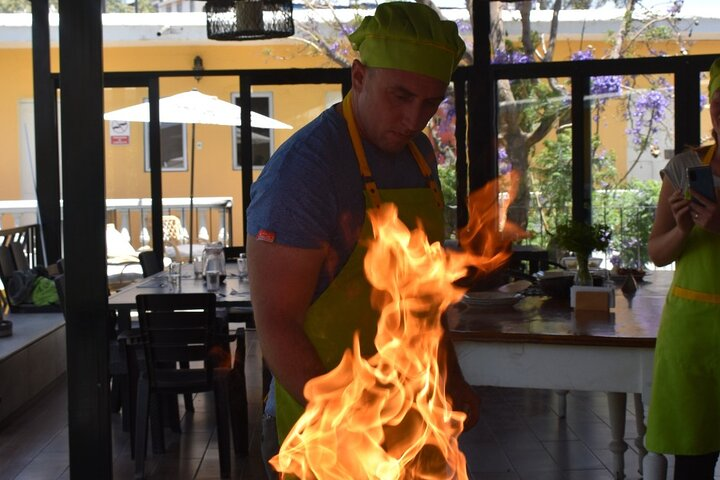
(618, 446)
(562, 402)
(640, 427)
(654, 466)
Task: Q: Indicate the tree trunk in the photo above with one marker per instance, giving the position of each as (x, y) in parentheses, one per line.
(518, 155)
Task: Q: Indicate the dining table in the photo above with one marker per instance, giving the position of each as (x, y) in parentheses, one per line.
(233, 292)
(541, 342)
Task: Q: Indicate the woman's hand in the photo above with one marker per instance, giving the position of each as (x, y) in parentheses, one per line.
(705, 213)
(680, 208)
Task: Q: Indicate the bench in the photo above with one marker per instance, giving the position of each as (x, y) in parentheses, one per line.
(31, 359)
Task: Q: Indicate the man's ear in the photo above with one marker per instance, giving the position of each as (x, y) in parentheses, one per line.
(358, 75)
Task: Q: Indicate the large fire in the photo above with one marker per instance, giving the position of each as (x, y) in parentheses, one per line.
(387, 416)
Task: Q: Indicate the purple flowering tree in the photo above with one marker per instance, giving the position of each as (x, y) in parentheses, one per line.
(532, 108)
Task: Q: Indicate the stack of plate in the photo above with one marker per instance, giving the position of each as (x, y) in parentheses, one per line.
(491, 299)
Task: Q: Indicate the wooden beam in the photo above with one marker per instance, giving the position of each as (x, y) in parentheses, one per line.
(86, 314)
(47, 165)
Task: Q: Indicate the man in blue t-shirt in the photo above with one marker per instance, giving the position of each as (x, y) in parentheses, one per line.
(307, 215)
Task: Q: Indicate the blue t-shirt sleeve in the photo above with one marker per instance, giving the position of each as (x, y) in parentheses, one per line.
(294, 198)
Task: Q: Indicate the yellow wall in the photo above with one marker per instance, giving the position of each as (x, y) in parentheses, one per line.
(16, 86)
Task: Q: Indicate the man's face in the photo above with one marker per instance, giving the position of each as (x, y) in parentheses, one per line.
(393, 106)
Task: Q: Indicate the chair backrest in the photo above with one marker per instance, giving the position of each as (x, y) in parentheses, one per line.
(149, 263)
(173, 229)
(60, 287)
(7, 264)
(232, 252)
(18, 253)
(175, 328)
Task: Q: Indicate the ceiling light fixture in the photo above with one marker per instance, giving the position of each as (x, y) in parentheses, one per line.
(249, 19)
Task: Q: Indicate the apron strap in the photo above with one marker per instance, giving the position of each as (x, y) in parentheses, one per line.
(688, 294)
(370, 185)
(432, 184)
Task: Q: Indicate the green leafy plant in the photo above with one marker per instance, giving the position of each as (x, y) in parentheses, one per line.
(631, 212)
(583, 238)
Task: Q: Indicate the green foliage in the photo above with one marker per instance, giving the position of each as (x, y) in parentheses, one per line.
(545, 102)
(581, 238)
(628, 211)
(631, 213)
(448, 183)
(660, 32)
(551, 178)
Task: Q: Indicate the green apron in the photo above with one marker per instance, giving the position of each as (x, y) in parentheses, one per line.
(684, 414)
(344, 307)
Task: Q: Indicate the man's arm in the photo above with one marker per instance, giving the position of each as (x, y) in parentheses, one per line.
(282, 283)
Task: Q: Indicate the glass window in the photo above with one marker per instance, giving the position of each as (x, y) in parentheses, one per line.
(630, 139)
(263, 139)
(535, 142)
(173, 147)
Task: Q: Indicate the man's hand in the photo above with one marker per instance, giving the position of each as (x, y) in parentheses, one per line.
(464, 399)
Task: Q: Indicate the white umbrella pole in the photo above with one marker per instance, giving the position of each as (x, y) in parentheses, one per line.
(192, 189)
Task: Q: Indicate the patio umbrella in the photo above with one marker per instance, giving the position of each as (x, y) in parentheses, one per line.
(193, 107)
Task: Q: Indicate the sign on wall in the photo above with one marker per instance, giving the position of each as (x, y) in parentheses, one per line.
(119, 132)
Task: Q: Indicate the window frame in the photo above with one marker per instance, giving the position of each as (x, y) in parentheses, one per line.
(235, 133)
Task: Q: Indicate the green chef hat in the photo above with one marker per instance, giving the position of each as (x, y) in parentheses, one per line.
(714, 77)
(409, 36)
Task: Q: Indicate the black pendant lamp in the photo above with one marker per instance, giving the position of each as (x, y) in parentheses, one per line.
(249, 19)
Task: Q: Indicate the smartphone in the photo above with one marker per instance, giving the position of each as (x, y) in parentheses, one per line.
(700, 179)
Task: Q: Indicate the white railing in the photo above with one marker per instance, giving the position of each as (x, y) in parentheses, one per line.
(133, 217)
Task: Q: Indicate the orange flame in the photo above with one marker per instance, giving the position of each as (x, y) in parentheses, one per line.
(387, 416)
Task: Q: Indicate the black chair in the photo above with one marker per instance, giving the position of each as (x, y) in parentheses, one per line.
(60, 287)
(233, 252)
(19, 256)
(117, 364)
(150, 263)
(180, 328)
(7, 264)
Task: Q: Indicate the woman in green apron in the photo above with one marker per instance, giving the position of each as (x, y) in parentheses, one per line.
(307, 221)
(684, 414)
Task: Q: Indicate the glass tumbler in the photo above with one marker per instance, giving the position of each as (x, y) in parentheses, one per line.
(174, 275)
(198, 266)
(242, 267)
(212, 280)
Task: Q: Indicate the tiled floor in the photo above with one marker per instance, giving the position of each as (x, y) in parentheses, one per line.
(520, 436)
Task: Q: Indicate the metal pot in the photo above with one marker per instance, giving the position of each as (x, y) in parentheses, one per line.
(556, 283)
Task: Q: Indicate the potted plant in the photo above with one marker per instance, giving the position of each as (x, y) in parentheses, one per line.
(582, 239)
